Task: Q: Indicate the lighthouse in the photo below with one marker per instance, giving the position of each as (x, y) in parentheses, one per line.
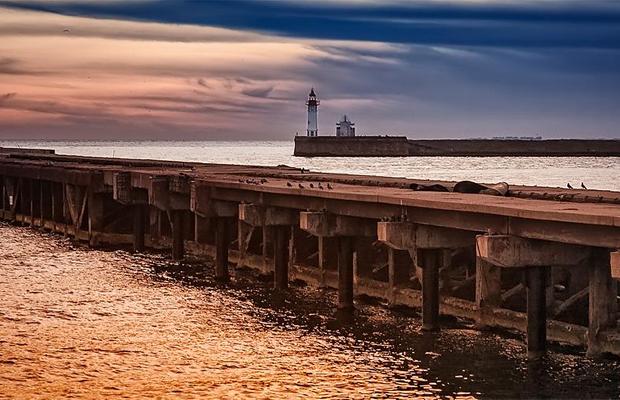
(313, 111)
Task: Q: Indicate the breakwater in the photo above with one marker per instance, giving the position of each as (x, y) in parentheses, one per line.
(400, 146)
(543, 266)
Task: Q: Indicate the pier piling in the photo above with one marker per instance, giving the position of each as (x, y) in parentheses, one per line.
(178, 246)
(139, 223)
(281, 255)
(222, 241)
(536, 283)
(430, 260)
(488, 290)
(603, 304)
(345, 273)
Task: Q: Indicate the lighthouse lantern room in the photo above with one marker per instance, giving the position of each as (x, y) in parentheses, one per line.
(313, 111)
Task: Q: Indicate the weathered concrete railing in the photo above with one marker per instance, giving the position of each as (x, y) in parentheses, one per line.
(546, 268)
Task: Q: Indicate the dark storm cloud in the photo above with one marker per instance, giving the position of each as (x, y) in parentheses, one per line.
(590, 24)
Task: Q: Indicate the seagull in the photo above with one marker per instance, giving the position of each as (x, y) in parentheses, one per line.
(320, 186)
(312, 186)
(301, 186)
(583, 186)
(66, 30)
(329, 186)
(289, 184)
(263, 180)
(569, 186)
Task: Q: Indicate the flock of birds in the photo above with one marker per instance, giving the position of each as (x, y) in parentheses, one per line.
(311, 185)
(252, 181)
(568, 185)
(320, 186)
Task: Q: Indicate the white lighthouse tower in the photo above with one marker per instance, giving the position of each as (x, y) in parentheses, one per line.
(313, 111)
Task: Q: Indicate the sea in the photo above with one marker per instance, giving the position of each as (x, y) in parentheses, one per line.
(82, 323)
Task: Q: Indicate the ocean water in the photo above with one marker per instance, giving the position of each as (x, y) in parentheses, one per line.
(594, 172)
(83, 323)
(76, 322)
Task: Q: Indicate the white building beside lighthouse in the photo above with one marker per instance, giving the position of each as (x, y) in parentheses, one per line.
(313, 111)
(345, 127)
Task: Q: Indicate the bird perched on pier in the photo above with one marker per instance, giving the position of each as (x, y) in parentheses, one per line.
(583, 186)
(320, 186)
(568, 185)
(329, 186)
(263, 180)
(311, 186)
(289, 184)
(301, 186)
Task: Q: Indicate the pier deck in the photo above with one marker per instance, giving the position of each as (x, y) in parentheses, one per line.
(540, 260)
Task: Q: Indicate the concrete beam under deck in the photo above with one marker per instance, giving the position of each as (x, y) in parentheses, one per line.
(203, 204)
(514, 252)
(329, 225)
(256, 215)
(409, 236)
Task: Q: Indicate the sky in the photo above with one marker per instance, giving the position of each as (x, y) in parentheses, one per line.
(242, 69)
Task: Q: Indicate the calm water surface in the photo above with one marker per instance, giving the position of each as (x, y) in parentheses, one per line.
(595, 172)
(76, 322)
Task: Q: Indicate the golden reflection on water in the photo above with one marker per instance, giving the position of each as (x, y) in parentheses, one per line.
(76, 322)
(82, 322)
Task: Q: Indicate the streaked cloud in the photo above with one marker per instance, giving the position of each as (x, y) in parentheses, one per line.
(241, 69)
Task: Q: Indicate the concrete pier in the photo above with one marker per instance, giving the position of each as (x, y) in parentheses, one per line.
(541, 261)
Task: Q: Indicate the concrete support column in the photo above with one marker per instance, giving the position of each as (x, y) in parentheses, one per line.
(23, 199)
(322, 255)
(488, 289)
(536, 282)
(31, 201)
(345, 273)
(154, 223)
(430, 260)
(202, 227)
(602, 301)
(267, 241)
(362, 258)
(178, 247)
(4, 202)
(42, 203)
(281, 256)
(139, 222)
(12, 196)
(399, 267)
(222, 242)
(95, 217)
